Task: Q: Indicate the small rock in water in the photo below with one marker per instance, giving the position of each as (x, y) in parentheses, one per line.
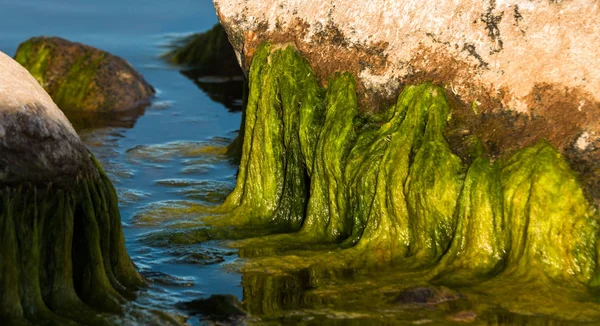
(217, 308)
(198, 255)
(166, 279)
(426, 296)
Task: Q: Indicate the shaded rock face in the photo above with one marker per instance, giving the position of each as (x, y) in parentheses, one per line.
(80, 77)
(37, 142)
(519, 71)
(62, 251)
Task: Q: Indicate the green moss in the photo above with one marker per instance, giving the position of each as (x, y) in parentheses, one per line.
(327, 218)
(479, 244)
(553, 230)
(44, 59)
(64, 260)
(72, 90)
(280, 134)
(367, 190)
(34, 58)
(208, 53)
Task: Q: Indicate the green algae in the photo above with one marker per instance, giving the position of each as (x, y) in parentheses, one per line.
(74, 88)
(325, 296)
(389, 186)
(359, 191)
(34, 59)
(479, 243)
(69, 91)
(553, 229)
(64, 261)
(326, 214)
(202, 152)
(282, 117)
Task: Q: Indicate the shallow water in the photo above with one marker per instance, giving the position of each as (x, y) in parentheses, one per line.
(168, 155)
(139, 30)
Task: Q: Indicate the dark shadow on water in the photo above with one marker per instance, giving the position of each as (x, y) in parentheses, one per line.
(218, 308)
(227, 90)
(209, 60)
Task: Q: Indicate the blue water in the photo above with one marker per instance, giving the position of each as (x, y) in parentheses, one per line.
(138, 30)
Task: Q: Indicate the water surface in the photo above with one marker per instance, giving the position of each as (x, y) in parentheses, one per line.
(181, 116)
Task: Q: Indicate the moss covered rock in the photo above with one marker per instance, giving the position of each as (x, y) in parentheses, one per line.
(387, 188)
(80, 77)
(208, 53)
(62, 252)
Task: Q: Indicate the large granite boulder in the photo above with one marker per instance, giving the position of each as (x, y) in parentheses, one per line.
(80, 77)
(519, 71)
(62, 253)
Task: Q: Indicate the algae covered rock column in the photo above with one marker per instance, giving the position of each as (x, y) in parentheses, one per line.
(62, 254)
(522, 70)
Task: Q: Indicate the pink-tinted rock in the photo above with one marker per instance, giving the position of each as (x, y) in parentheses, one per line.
(519, 70)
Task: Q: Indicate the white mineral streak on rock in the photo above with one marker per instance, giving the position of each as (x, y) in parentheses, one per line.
(583, 141)
(509, 45)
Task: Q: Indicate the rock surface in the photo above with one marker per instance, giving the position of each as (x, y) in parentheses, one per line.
(80, 77)
(37, 142)
(62, 249)
(520, 70)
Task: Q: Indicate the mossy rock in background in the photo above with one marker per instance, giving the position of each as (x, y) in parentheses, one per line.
(210, 61)
(62, 252)
(80, 77)
(205, 54)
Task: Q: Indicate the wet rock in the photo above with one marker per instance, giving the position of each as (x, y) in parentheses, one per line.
(427, 296)
(198, 255)
(62, 247)
(82, 78)
(167, 279)
(519, 71)
(217, 308)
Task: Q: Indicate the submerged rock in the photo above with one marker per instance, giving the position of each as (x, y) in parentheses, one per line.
(521, 71)
(80, 77)
(426, 296)
(217, 308)
(62, 251)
